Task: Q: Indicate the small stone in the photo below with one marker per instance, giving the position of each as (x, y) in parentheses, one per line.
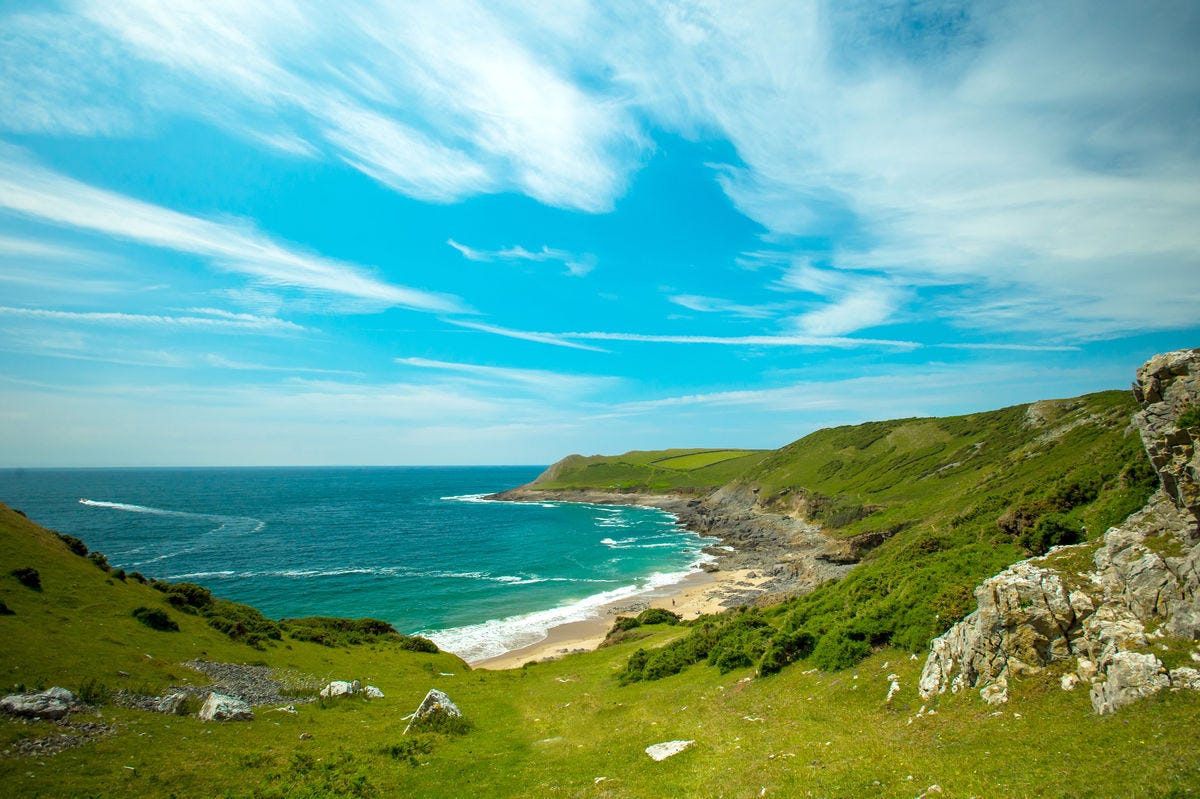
(371, 692)
(996, 693)
(662, 751)
(306, 736)
(1069, 681)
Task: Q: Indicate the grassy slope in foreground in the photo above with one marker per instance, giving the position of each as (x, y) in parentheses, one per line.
(550, 729)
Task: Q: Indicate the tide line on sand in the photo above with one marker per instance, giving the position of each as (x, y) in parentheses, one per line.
(695, 594)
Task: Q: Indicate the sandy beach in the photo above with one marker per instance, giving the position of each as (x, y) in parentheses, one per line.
(695, 595)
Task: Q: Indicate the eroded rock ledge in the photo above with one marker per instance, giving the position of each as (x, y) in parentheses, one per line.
(1140, 600)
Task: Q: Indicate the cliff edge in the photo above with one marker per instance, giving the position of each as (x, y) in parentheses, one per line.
(1128, 624)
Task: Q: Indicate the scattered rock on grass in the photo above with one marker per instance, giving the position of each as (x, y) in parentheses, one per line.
(662, 751)
(225, 708)
(53, 703)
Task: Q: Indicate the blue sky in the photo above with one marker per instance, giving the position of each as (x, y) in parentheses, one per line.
(460, 233)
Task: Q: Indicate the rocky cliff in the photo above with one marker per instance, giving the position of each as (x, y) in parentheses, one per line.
(1111, 627)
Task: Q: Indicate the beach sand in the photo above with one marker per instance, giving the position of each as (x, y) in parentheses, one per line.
(696, 595)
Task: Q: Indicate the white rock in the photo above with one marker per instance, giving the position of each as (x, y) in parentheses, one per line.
(371, 692)
(54, 703)
(1185, 677)
(1131, 676)
(340, 688)
(995, 693)
(667, 748)
(171, 704)
(1069, 681)
(434, 702)
(218, 707)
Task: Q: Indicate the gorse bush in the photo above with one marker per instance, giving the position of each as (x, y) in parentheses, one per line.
(155, 619)
(28, 577)
(74, 544)
(332, 631)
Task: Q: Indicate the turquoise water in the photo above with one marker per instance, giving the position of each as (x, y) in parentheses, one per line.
(416, 547)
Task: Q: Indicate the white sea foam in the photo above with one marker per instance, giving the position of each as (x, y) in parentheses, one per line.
(476, 642)
(230, 523)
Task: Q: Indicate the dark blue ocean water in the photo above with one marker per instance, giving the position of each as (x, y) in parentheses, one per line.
(414, 546)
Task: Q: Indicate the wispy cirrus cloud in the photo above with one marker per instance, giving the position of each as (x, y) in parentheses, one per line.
(576, 265)
(554, 339)
(540, 379)
(35, 192)
(835, 342)
(701, 304)
(438, 102)
(1004, 147)
(210, 320)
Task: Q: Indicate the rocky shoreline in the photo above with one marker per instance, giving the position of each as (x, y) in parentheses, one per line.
(793, 555)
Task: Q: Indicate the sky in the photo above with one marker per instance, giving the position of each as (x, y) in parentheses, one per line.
(388, 233)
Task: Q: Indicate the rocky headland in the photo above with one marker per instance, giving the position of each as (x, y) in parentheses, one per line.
(793, 554)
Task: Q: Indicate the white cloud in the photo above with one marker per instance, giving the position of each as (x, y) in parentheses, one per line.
(555, 339)
(576, 265)
(861, 307)
(836, 342)
(44, 195)
(694, 302)
(215, 321)
(1035, 153)
(539, 379)
(438, 101)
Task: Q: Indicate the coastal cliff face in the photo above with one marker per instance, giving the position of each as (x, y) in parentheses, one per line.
(1112, 626)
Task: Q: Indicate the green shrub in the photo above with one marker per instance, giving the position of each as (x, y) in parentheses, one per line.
(335, 631)
(409, 749)
(100, 560)
(1049, 531)
(74, 544)
(741, 643)
(92, 692)
(119, 574)
(441, 723)
(5, 610)
(138, 577)
(839, 649)
(785, 648)
(658, 616)
(28, 577)
(155, 619)
(417, 643)
(187, 597)
(1190, 417)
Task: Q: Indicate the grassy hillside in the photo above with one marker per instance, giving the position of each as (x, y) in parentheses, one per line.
(929, 506)
(651, 472)
(565, 728)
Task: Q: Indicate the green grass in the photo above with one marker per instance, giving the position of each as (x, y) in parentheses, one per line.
(694, 471)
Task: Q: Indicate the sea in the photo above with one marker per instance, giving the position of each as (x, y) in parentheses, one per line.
(418, 547)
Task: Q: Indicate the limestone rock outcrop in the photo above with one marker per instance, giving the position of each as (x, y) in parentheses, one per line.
(1145, 584)
(218, 707)
(435, 702)
(53, 703)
